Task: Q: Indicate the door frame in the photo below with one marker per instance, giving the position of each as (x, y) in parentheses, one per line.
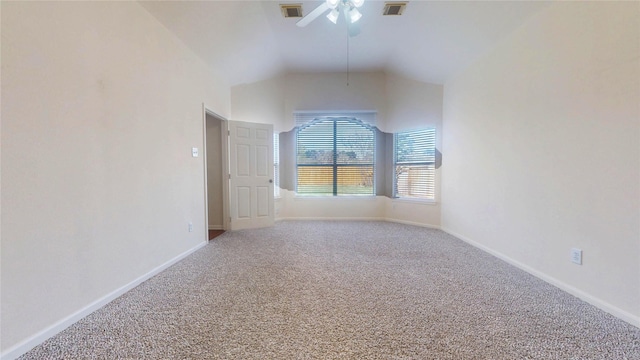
(224, 128)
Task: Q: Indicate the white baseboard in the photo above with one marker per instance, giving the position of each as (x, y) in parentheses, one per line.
(430, 226)
(35, 340)
(216, 227)
(332, 218)
(599, 303)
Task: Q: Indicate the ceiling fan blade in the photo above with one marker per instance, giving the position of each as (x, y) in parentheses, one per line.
(313, 14)
(354, 29)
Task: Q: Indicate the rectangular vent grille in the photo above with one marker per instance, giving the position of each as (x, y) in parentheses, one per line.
(291, 10)
(395, 8)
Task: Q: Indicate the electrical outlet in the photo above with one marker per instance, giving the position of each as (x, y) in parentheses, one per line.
(576, 256)
(190, 227)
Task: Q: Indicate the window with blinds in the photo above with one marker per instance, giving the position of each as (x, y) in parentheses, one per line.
(414, 162)
(276, 164)
(335, 156)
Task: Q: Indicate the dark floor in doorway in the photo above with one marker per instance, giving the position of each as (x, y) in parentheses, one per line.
(215, 233)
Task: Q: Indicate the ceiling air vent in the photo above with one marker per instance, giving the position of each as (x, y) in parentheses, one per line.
(394, 8)
(291, 10)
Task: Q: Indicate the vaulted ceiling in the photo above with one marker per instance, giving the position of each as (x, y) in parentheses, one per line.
(248, 41)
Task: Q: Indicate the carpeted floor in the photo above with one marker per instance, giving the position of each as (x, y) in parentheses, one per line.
(344, 290)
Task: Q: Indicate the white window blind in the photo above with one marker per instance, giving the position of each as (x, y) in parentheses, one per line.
(306, 117)
(276, 164)
(335, 156)
(414, 162)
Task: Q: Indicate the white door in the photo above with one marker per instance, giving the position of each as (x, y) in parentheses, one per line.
(251, 175)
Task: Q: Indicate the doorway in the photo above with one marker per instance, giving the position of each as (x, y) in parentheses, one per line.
(214, 152)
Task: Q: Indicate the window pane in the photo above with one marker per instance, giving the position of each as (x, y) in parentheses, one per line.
(335, 156)
(414, 159)
(315, 143)
(416, 146)
(354, 143)
(355, 180)
(315, 180)
(416, 181)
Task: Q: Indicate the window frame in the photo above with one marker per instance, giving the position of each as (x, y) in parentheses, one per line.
(335, 165)
(424, 162)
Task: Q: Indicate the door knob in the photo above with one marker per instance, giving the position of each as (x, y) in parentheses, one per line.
(270, 181)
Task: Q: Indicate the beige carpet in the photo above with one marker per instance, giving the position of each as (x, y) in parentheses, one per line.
(344, 290)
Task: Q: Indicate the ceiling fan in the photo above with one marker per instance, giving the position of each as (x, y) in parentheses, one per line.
(349, 9)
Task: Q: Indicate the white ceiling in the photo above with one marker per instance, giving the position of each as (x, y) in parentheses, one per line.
(248, 41)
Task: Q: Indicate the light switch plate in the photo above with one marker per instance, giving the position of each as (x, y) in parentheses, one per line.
(194, 152)
(576, 256)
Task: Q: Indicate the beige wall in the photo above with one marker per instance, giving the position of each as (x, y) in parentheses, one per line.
(541, 144)
(401, 104)
(261, 102)
(329, 91)
(412, 104)
(101, 106)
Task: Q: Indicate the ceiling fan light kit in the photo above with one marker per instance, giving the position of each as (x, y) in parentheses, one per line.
(333, 16)
(348, 7)
(332, 4)
(354, 15)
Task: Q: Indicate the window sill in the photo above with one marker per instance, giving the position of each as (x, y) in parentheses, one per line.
(415, 201)
(331, 197)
